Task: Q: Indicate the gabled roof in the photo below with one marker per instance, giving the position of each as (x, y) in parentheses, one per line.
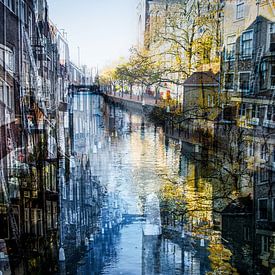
(207, 78)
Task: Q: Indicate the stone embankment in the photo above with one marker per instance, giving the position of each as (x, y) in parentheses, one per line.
(135, 103)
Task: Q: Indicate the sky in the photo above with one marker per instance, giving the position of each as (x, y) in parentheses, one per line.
(104, 30)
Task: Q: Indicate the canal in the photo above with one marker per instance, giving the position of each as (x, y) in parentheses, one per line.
(132, 159)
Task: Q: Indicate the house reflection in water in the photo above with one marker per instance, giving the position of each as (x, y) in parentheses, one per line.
(237, 228)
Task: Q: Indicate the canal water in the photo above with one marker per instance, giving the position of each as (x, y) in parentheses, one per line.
(133, 159)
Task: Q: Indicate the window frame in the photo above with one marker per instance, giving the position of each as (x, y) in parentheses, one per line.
(39, 222)
(230, 57)
(247, 233)
(250, 148)
(263, 74)
(27, 226)
(272, 66)
(240, 13)
(247, 56)
(271, 30)
(246, 91)
(242, 109)
(255, 112)
(264, 242)
(270, 113)
(263, 175)
(259, 216)
(273, 209)
(264, 152)
(49, 214)
(225, 81)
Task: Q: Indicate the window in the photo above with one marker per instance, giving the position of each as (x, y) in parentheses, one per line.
(263, 75)
(47, 178)
(242, 109)
(49, 214)
(240, 9)
(272, 76)
(264, 152)
(273, 209)
(229, 81)
(34, 221)
(272, 37)
(27, 220)
(244, 81)
(10, 61)
(54, 207)
(246, 233)
(210, 101)
(7, 58)
(255, 111)
(1, 91)
(77, 190)
(230, 50)
(247, 44)
(71, 195)
(262, 209)
(270, 113)
(39, 222)
(11, 5)
(75, 103)
(53, 178)
(64, 188)
(7, 100)
(250, 149)
(263, 175)
(265, 244)
(23, 11)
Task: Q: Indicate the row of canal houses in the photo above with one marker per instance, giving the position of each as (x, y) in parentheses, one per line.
(38, 168)
(229, 113)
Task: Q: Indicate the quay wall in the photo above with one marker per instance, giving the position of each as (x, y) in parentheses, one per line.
(131, 105)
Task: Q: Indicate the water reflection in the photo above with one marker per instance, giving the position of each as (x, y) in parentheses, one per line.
(132, 201)
(131, 159)
(125, 250)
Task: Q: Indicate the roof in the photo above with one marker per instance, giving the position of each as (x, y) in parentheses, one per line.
(207, 78)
